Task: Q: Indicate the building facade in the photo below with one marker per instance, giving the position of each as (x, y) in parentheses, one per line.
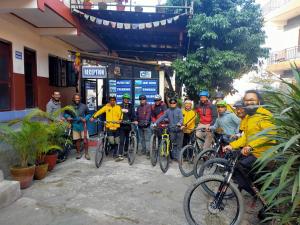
(282, 25)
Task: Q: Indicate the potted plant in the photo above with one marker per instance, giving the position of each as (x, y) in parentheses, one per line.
(23, 136)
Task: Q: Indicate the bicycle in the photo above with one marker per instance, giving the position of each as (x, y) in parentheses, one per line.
(132, 145)
(165, 148)
(103, 144)
(189, 152)
(154, 145)
(218, 200)
(215, 152)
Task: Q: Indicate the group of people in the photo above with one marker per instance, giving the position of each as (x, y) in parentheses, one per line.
(239, 125)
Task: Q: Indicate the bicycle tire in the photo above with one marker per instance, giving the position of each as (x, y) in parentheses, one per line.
(164, 157)
(189, 160)
(205, 179)
(132, 148)
(200, 159)
(100, 151)
(153, 149)
(217, 161)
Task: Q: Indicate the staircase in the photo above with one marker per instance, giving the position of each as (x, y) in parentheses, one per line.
(9, 191)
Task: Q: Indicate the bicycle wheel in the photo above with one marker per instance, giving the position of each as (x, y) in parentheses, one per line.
(186, 160)
(153, 149)
(203, 209)
(201, 158)
(164, 156)
(217, 166)
(100, 151)
(132, 148)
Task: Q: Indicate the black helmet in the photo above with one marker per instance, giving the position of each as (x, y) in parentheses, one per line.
(172, 100)
(220, 95)
(238, 104)
(142, 97)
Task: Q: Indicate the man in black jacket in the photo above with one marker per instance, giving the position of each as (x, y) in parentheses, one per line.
(128, 116)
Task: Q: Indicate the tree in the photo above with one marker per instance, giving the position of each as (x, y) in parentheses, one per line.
(225, 42)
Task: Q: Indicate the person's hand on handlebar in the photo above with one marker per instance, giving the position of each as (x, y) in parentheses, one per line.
(178, 124)
(136, 122)
(92, 119)
(153, 125)
(227, 148)
(246, 150)
(82, 119)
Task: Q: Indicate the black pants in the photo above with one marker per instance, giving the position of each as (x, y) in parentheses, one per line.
(244, 167)
(114, 140)
(124, 139)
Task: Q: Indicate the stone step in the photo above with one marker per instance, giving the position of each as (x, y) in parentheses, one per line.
(1, 176)
(9, 192)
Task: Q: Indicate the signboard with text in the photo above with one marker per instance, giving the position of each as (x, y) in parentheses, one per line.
(145, 87)
(94, 72)
(119, 87)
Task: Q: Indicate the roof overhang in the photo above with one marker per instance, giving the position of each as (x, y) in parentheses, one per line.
(158, 43)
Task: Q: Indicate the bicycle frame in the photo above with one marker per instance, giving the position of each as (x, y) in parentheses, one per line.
(165, 136)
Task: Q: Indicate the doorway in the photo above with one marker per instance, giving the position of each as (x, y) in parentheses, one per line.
(5, 62)
(30, 78)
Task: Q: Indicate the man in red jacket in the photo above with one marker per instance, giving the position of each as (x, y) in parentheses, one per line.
(208, 114)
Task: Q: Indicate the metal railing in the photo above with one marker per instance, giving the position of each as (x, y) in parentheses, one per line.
(272, 5)
(80, 4)
(284, 55)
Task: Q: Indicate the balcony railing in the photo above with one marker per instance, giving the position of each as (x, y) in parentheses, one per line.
(272, 5)
(284, 55)
(81, 4)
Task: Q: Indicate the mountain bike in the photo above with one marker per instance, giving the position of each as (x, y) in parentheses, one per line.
(216, 151)
(165, 148)
(154, 146)
(132, 143)
(189, 152)
(103, 146)
(219, 207)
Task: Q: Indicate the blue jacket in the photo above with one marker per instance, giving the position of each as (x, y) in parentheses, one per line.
(228, 122)
(81, 112)
(174, 116)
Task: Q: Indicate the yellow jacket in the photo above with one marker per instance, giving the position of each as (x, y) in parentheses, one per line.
(112, 114)
(230, 109)
(255, 124)
(189, 120)
(243, 124)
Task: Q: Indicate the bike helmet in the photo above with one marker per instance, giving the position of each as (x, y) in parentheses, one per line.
(203, 93)
(126, 96)
(142, 97)
(172, 100)
(157, 98)
(220, 95)
(222, 103)
(238, 104)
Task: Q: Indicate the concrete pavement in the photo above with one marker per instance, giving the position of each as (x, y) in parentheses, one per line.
(76, 193)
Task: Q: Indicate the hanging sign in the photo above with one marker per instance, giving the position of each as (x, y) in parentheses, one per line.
(94, 72)
(145, 74)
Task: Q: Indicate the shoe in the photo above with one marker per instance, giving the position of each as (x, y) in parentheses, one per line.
(78, 155)
(125, 154)
(148, 155)
(87, 156)
(119, 158)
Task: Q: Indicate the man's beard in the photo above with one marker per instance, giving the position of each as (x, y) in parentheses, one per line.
(251, 109)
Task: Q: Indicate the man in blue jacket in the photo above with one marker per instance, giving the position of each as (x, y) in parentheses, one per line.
(175, 119)
(78, 122)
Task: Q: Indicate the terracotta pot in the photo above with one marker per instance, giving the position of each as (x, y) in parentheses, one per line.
(40, 159)
(51, 161)
(41, 171)
(24, 175)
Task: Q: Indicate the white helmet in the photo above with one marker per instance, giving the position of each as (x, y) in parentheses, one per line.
(157, 98)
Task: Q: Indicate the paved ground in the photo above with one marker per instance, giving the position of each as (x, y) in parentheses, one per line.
(76, 193)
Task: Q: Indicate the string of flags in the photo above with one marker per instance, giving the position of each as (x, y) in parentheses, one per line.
(128, 26)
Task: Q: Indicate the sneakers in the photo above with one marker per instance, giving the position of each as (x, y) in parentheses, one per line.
(87, 156)
(78, 155)
(148, 155)
(119, 158)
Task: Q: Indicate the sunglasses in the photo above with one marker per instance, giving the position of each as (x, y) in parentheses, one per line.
(219, 106)
(142, 99)
(172, 103)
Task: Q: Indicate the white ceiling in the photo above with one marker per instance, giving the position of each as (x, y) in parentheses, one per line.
(48, 18)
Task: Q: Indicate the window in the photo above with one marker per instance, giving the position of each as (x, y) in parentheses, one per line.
(4, 76)
(61, 72)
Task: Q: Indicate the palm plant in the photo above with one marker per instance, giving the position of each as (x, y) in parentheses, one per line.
(281, 185)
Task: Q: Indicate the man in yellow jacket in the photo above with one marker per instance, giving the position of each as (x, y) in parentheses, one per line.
(113, 119)
(258, 120)
(189, 121)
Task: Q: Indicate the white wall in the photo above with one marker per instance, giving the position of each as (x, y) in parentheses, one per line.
(21, 35)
